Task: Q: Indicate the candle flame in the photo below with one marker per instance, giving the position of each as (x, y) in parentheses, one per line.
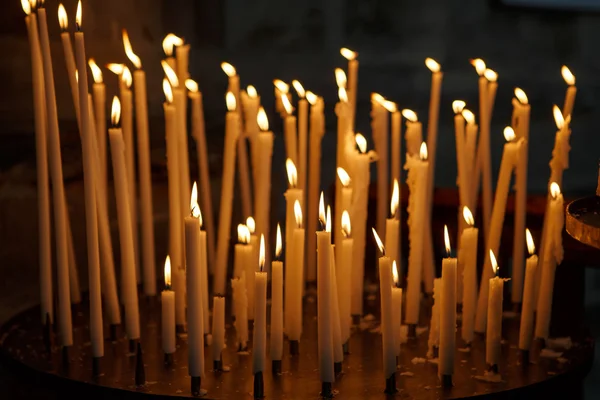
(378, 241)
(530, 244)
(322, 216)
(494, 263)
(115, 113)
(278, 242)
(126, 77)
(479, 65)
(346, 226)
(263, 121)
(410, 115)
(521, 96)
(228, 69)
(168, 271)
(395, 273)
(243, 234)
(348, 54)
(261, 254)
(252, 93)
(447, 240)
(509, 134)
(168, 91)
(170, 73)
(433, 65)
(96, 71)
(458, 106)
(135, 60)
(115, 68)
(292, 172)
(361, 142)
(281, 86)
(191, 85)
(567, 75)
(423, 151)
(376, 97)
(344, 177)
(328, 224)
(554, 190)
(468, 216)
(251, 224)
(63, 20)
(311, 97)
(490, 75)
(230, 101)
(169, 42)
(299, 88)
(298, 213)
(27, 9)
(390, 106)
(286, 104)
(77, 76)
(78, 15)
(558, 117)
(468, 116)
(340, 78)
(194, 208)
(343, 95)
(395, 203)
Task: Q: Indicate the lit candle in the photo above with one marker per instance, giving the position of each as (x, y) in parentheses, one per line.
(250, 104)
(343, 113)
(342, 202)
(392, 226)
(468, 261)
(182, 54)
(168, 44)
(379, 126)
(231, 137)
(414, 132)
(417, 185)
(128, 281)
(396, 140)
(244, 267)
(510, 157)
(259, 337)
(240, 310)
(65, 38)
(569, 78)
(396, 307)
(252, 265)
(281, 89)
(470, 158)
(447, 313)
(292, 195)
(492, 87)
(96, 334)
(276, 349)
(294, 281)
(352, 80)
(553, 257)
(461, 179)
(218, 331)
(99, 100)
(167, 299)
(302, 134)
(344, 276)
(262, 191)
(526, 330)
(433, 342)
(338, 349)
(493, 335)
(289, 131)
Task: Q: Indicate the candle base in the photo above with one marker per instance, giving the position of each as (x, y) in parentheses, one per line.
(447, 381)
(326, 390)
(493, 368)
(168, 359)
(346, 347)
(337, 368)
(412, 331)
(259, 386)
(96, 366)
(276, 367)
(179, 328)
(48, 334)
(195, 382)
(390, 384)
(112, 332)
(140, 373)
(294, 347)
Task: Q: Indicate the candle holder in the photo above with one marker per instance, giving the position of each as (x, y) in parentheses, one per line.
(140, 372)
(259, 385)
(326, 390)
(583, 220)
(390, 384)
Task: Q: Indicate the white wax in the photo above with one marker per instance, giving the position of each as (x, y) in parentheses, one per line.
(218, 327)
(167, 298)
(396, 147)
(484, 156)
(262, 190)
(392, 239)
(240, 305)
(338, 350)
(294, 285)
(352, 87)
(528, 306)
(182, 53)
(302, 143)
(447, 317)
(204, 281)
(342, 203)
(470, 156)
(380, 127)
(387, 319)
(276, 349)
(434, 324)
(414, 137)
(291, 196)
(493, 334)
(259, 336)
(71, 73)
(324, 310)
(99, 100)
(195, 320)
(180, 102)
(290, 138)
(344, 285)
(251, 264)
(397, 317)
(468, 259)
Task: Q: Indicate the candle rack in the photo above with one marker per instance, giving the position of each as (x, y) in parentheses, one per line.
(583, 220)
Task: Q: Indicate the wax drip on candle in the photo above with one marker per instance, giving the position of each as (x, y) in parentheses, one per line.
(168, 273)
(346, 226)
(379, 242)
(343, 176)
(322, 216)
(494, 263)
(168, 91)
(170, 73)
(468, 216)
(78, 16)
(447, 241)
(251, 224)
(468, 116)
(340, 78)
(521, 96)
(252, 93)
(299, 88)
(292, 173)
(63, 21)
(262, 120)
(410, 115)
(281, 86)
(135, 60)
(433, 65)
(395, 202)
(530, 244)
(243, 234)
(298, 214)
(115, 113)
(458, 106)
(261, 254)
(567, 75)
(479, 65)
(169, 42)
(395, 274)
(278, 243)
(96, 71)
(348, 54)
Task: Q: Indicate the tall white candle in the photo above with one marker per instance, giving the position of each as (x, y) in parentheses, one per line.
(352, 80)
(182, 55)
(281, 89)
(470, 158)
(240, 305)
(276, 349)
(251, 267)
(468, 260)
(528, 307)
(292, 195)
(99, 100)
(294, 282)
(259, 337)
(325, 327)
(461, 178)
(342, 110)
(569, 78)
(338, 349)
(493, 335)
(218, 328)
(447, 312)
(396, 308)
(302, 135)
(343, 202)
(169, 44)
(344, 276)
(433, 342)
(380, 132)
(392, 226)
(65, 38)
(289, 131)
(396, 144)
(414, 132)
(167, 299)
(250, 104)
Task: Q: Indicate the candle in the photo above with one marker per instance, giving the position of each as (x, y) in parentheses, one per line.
(447, 312)
(569, 78)
(344, 276)
(276, 349)
(387, 329)
(231, 137)
(470, 158)
(294, 282)
(167, 299)
(468, 261)
(281, 89)
(461, 179)
(291, 195)
(99, 100)
(414, 132)
(433, 342)
(302, 133)
(343, 113)
(510, 155)
(342, 202)
(493, 336)
(392, 226)
(338, 349)
(492, 87)
(289, 131)
(250, 105)
(128, 281)
(352, 80)
(218, 331)
(528, 307)
(65, 38)
(396, 307)
(182, 54)
(44, 238)
(521, 111)
(96, 334)
(324, 317)
(553, 256)
(243, 265)
(251, 266)
(168, 44)
(396, 141)
(379, 126)
(317, 130)
(240, 310)
(262, 191)
(259, 337)
(417, 185)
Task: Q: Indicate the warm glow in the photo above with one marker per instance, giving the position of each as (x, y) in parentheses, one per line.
(170, 41)
(395, 273)
(168, 91)
(170, 73)
(261, 254)
(78, 16)
(361, 142)
(230, 101)
(135, 60)
(567, 75)
(228, 69)
(423, 151)
(194, 208)
(126, 77)
(252, 93)
(27, 9)
(286, 104)
(281, 86)
(278, 242)
(292, 172)
(251, 224)
(530, 244)
(298, 213)
(479, 65)
(521, 96)
(311, 97)
(447, 240)
(191, 85)
(328, 224)
(490, 75)
(168, 272)
(115, 68)
(468, 216)
(378, 241)
(410, 115)
(395, 203)
(340, 78)
(554, 190)
(342, 94)
(96, 71)
(432, 65)
(390, 106)
(348, 54)
(558, 117)
(377, 98)
(322, 216)
(77, 76)
(299, 88)
(243, 234)
(63, 21)
(344, 177)
(509, 134)
(458, 106)
(263, 121)
(346, 226)
(468, 116)
(115, 113)
(494, 263)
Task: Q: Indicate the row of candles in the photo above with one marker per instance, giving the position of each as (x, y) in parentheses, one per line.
(192, 261)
